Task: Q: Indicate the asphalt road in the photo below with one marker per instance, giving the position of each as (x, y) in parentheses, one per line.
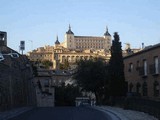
(63, 113)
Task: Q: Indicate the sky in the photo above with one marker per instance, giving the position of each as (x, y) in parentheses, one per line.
(38, 22)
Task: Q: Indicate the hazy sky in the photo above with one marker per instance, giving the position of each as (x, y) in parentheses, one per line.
(39, 21)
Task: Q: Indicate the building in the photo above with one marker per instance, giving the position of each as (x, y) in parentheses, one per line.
(142, 72)
(45, 91)
(16, 78)
(60, 77)
(128, 50)
(73, 42)
(3, 38)
(73, 49)
(42, 53)
(45, 83)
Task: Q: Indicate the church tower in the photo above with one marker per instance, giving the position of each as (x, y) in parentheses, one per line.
(69, 39)
(55, 54)
(107, 37)
(57, 43)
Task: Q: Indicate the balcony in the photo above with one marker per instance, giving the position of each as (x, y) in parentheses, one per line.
(142, 72)
(154, 70)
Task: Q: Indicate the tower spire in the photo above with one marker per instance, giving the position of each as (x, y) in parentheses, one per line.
(69, 31)
(107, 33)
(57, 38)
(57, 42)
(69, 27)
(107, 28)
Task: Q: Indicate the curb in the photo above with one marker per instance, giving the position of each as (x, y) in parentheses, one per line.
(113, 115)
(13, 113)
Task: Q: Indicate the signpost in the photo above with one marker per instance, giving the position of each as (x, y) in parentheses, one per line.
(22, 46)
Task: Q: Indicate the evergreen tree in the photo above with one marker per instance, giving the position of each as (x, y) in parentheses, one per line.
(117, 85)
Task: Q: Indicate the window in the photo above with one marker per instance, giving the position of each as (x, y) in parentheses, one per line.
(156, 65)
(46, 83)
(138, 65)
(130, 87)
(145, 67)
(138, 88)
(156, 89)
(130, 67)
(145, 89)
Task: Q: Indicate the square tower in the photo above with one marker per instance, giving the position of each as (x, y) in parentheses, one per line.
(3, 38)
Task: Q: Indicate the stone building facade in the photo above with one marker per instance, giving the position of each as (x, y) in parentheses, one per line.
(142, 72)
(45, 91)
(73, 49)
(73, 42)
(16, 78)
(46, 81)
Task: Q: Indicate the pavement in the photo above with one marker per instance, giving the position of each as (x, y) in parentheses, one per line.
(14, 112)
(125, 114)
(115, 112)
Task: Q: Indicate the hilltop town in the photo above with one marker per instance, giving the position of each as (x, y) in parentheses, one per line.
(37, 75)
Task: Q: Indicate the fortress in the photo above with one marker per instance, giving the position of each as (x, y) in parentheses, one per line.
(74, 48)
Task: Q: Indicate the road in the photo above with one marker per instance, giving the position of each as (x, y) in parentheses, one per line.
(63, 113)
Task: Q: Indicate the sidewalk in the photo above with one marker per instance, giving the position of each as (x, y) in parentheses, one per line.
(126, 114)
(14, 112)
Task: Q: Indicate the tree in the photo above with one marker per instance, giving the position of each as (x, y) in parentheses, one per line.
(117, 84)
(66, 95)
(47, 64)
(65, 65)
(91, 77)
(35, 72)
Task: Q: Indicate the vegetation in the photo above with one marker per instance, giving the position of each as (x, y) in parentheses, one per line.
(104, 80)
(65, 95)
(65, 65)
(117, 84)
(91, 77)
(35, 72)
(47, 64)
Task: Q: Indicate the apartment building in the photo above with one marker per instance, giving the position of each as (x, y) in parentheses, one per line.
(142, 72)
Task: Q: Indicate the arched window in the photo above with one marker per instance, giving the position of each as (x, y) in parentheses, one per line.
(156, 88)
(130, 87)
(145, 89)
(138, 88)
